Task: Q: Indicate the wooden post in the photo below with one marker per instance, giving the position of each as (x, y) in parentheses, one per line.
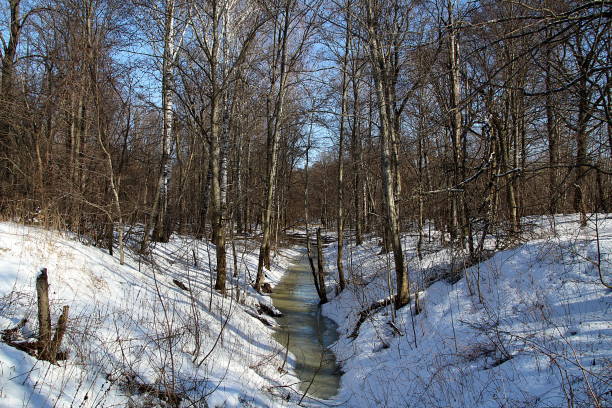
(59, 334)
(323, 293)
(44, 316)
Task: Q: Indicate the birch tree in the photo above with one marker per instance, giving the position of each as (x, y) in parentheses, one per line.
(172, 17)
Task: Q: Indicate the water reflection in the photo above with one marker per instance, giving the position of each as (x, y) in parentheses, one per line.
(309, 332)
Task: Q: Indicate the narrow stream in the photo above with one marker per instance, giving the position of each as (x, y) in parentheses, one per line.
(309, 332)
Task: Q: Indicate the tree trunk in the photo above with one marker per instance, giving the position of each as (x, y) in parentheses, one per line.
(381, 80)
(321, 274)
(205, 200)
(306, 218)
(159, 226)
(343, 110)
(581, 157)
(456, 128)
(216, 194)
(7, 88)
(274, 122)
(553, 137)
(359, 194)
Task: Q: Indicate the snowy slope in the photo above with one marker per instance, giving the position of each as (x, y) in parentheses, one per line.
(538, 335)
(131, 324)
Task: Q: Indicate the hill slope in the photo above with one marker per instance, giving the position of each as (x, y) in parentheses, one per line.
(134, 335)
(529, 327)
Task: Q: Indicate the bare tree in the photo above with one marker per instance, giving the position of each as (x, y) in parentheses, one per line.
(287, 19)
(382, 73)
(169, 19)
(223, 39)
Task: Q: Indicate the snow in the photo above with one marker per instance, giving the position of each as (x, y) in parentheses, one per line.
(133, 321)
(528, 327)
(539, 332)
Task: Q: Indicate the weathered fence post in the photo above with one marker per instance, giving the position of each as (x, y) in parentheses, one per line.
(62, 322)
(44, 315)
(48, 349)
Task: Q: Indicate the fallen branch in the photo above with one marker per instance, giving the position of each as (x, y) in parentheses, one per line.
(10, 334)
(395, 329)
(131, 383)
(364, 314)
(30, 347)
(269, 310)
(180, 284)
(264, 319)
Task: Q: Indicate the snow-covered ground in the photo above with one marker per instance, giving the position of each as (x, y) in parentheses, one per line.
(132, 325)
(529, 327)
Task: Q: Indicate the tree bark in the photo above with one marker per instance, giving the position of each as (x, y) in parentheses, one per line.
(274, 122)
(7, 92)
(343, 110)
(456, 120)
(321, 273)
(158, 228)
(380, 71)
(552, 134)
(60, 330)
(306, 217)
(218, 223)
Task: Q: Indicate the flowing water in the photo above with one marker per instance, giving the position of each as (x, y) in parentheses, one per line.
(309, 332)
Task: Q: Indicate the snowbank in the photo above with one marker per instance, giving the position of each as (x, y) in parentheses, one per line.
(131, 326)
(529, 327)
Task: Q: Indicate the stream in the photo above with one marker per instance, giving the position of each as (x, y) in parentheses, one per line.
(309, 332)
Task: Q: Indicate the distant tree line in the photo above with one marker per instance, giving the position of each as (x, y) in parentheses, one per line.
(196, 117)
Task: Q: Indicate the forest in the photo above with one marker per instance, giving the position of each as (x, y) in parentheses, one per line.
(394, 128)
